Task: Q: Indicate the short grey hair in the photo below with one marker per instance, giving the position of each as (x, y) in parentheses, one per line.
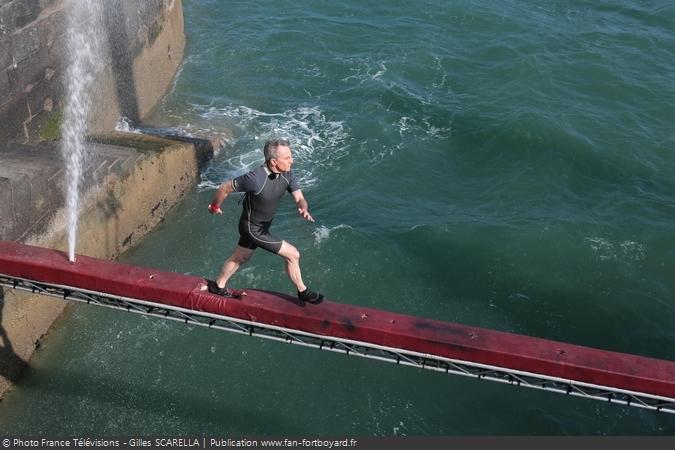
(271, 148)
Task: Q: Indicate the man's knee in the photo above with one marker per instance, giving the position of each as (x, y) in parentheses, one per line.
(290, 253)
(293, 255)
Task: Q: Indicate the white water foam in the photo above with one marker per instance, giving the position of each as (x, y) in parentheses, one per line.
(318, 143)
(627, 250)
(423, 128)
(125, 125)
(363, 70)
(85, 60)
(322, 232)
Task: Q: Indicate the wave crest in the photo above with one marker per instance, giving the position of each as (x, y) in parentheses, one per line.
(318, 143)
(322, 233)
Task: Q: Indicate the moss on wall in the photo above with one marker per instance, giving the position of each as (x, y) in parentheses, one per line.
(50, 130)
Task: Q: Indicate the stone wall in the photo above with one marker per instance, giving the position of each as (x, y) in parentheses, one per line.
(31, 55)
(134, 180)
(145, 43)
(130, 181)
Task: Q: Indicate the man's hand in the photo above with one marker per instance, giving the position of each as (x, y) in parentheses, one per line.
(219, 197)
(305, 214)
(303, 208)
(215, 209)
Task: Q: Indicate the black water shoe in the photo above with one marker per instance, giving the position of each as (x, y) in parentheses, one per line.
(310, 297)
(223, 292)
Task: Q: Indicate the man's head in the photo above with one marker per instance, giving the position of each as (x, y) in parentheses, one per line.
(278, 155)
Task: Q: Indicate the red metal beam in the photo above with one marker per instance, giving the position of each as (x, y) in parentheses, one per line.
(450, 340)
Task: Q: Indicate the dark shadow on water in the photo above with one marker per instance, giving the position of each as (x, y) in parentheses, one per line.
(119, 44)
(198, 411)
(11, 365)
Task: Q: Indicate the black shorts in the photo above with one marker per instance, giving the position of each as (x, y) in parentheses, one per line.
(253, 235)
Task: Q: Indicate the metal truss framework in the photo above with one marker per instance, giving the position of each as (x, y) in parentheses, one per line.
(348, 347)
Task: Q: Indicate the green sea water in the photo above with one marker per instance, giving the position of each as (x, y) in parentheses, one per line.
(503, 164)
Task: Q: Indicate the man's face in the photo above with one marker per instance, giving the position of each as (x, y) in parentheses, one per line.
(285, 160)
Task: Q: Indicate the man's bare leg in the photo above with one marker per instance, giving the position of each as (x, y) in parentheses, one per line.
(292, 257)
(232, 264)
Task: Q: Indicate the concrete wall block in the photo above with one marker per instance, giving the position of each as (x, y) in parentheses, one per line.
(5, 54)
(29, 72)
(36, 97)
(11, 124)
(5, 87)
(7, 221)
(58, 52)
(25, 42)
(41, 193)
(21, 198)
(17, 14)
(28, 11)
(29, 195)
(57, 87)
(4, 27)
(46, 32)
(10, 118)
(53, 28)
(7, 20)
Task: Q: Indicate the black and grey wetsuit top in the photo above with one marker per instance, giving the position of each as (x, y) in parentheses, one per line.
(264, 190)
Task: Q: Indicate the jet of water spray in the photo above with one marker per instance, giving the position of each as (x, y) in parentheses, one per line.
(85, 59)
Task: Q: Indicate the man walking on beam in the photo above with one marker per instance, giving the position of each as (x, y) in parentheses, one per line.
(263, 187)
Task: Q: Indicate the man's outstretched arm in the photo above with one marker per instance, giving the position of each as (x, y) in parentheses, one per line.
(219, 197)
(303, 208)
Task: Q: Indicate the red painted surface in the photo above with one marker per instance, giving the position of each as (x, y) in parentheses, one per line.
(478, 345)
